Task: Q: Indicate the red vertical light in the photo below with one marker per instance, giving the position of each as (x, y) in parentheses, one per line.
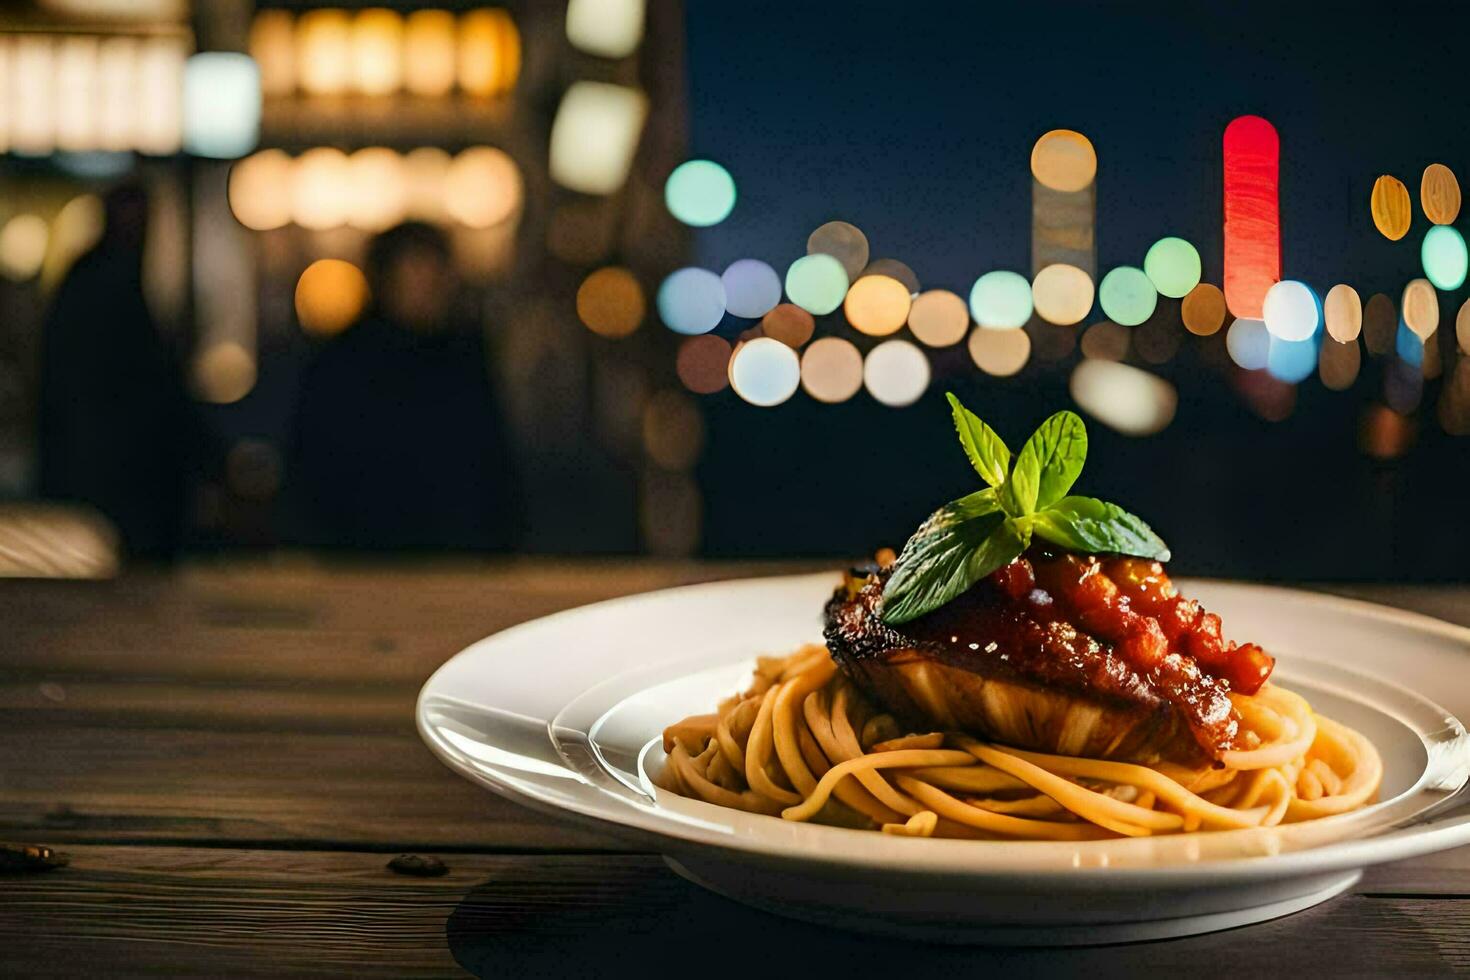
(1252, 214)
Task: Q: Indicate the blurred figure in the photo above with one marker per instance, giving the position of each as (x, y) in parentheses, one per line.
(113, 409)
(399, 438)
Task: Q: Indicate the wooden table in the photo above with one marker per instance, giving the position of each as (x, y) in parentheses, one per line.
(228, 756)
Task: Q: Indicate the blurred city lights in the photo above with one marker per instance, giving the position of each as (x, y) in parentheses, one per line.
(1203, 310)
(877, 306)
(893, 269)
(273, 46)
(1409, 346)
(76, 102)
(1064, 160)
(1462, 327)
(425, 170)
(78, 226)
(1106, 341)
(610, 302)
(260, 190)
(606, 28)
(1127, 296)
(594, 136)
(321, 189)
(1123, 398)
(23, 246)
(330, 295)
(1380, 324)
(1157, 339)
(703, 364)
(896, 373)
(999, 352)
(1419, 307)
(1291, 310)
(1173, 265)
(844, 242)
(1444, 257)
(789, 324)
(1062, 294)
(1338, 363)
(489, 52)
(224, 372)
(429, 52)
(752, 288)
(1292, 361)
(1384, 433)
(221, 105)
(379, 188)
(691, 301)
(1390, 206)
(817, 283)
(700, 193)
(1249, 343)
(765, 372)
(1439, 194)
(159, 95)
(939, 318)
(324, 51)
(1403, 386)
(1001, 300)
(377, 51)
(1252, 161)
(1342, 312)
(482, 187)
(832, 370)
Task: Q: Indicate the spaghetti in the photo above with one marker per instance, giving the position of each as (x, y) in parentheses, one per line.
(803, 743)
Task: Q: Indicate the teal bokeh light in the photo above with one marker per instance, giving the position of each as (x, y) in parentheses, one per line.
(1173, 266)
(691, 301)
(1001, 300)
(700, 193)
(1127, 296)
(816, 283)
(1444, 257)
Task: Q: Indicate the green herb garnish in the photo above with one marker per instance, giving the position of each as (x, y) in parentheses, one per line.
(967, 539)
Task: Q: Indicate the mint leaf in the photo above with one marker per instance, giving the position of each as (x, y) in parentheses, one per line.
(1087, 524)
(1058, 448)
(986, 450)
(1018, 494)
(960, 543)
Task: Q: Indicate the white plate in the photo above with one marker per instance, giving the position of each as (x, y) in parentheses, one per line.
(563, 714)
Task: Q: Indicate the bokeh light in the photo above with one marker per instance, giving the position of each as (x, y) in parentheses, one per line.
(1001, 300)
(673, 430)
(1062, 294)
(223, 372)
(1439, 194)
(1389, 204)
(1291, 310)
(1050, 342)
(324, 51)
(691, 301)
(896, 373)
(1203, 310)
(594, 136)
(1173, 265)
(272, 44)
(77, 227)
(789, 324)
(425, 171)
(330, 295)
(221, 104)
(703, 364)
(1106, 341)
(752, 288)
(1123, 398)
(1409, 346)
(1127, 296)
(877, 305)
(1064, 160)
(817, 283)
(1249, 343)
(1157, 339)
(23, 246)
(321, 191)
(610, 302)
(1384, 433)
(1338, 363)
(428, 52)
(1342, 312)
(1252, 170)
(765, 372)
(1292, 361)
(700, 193)
(488, 52)
(999, 352)
(483, 187)
(1380, 323)
(1462, 327)
(379, 195)
(606, 28)
(1403, 386)
(844, 242)
(832, 370)
(1444, 257)
(893, 269)
(1419, 307)
(377, 51)
(939, 318)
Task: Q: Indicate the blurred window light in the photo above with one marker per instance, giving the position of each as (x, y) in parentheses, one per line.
(377, 51)
(752, 288)
(1252, 154)
(1124, 398)
(379, 188)
(425, 170)
(429, 52)
(1062, 294)
(606, 28)
(117, 11)
(321, 191)
(76, 93)
(1439, 194)
(1107, 341)
(832, 370)
(324, 51)
(482, 187)
(1338, 363)
(896, 373)
(273, 46)
(1064, 160)
(939, 318)
(23, 243)
(330, 295)
(610, 303)
(1127, 296)
(1001, 300)
(1249, 343)
(118, 108)
(877, 306)
(700, 193)
(789, 324)
(844, 242)
(160, 95)
(32, 94)
(817, 283)
(765, 372)
(594, 136)
(1419, 307)
(1203, 310)
(703, 364)
(1292, 311)
(221, 105)
(1173, 265)
(1444, 257)
(1000, 353)
(691, 301)
(893, 269)
(1342, 313)
(260, 190)
(489, 52)
(223, 372)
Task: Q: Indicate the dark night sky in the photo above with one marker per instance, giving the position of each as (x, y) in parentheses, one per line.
(915, 122)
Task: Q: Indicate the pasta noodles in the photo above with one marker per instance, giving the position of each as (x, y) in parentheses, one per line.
(804, 744)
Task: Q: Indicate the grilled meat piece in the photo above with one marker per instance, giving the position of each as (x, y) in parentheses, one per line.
(1050, 653)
